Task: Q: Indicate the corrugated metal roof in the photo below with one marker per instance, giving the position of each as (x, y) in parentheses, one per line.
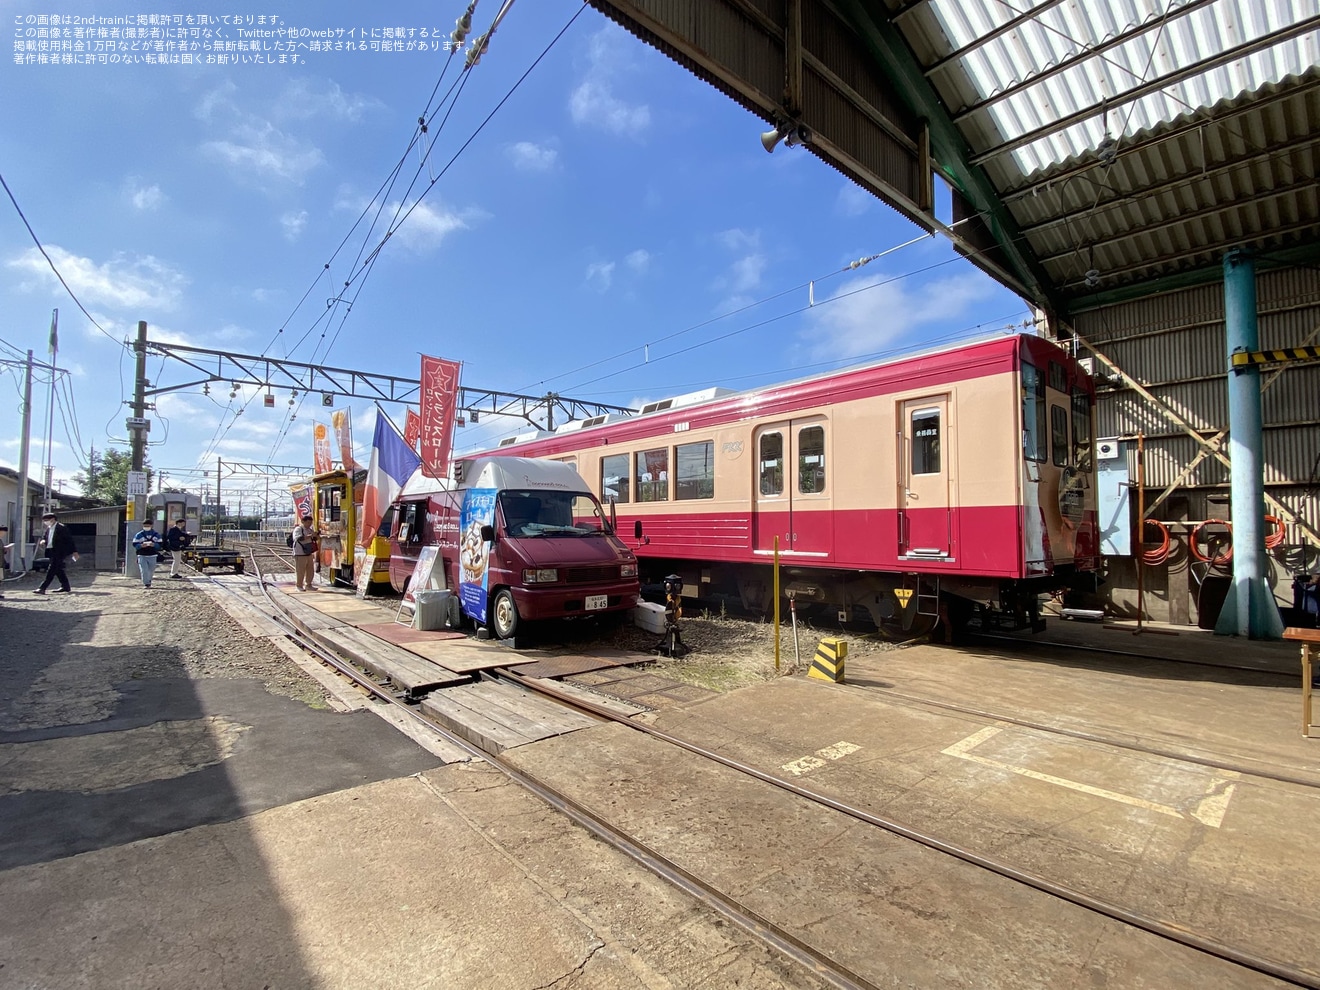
(1099, 150)
(1133, 140)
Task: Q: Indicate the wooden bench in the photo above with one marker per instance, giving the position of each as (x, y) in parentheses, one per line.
(1308, 638)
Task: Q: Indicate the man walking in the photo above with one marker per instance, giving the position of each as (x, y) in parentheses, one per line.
(176, 541)
(58, 542)
(147, 543)
(304, 553)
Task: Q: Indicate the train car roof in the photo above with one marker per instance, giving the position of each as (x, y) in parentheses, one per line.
(723, 397)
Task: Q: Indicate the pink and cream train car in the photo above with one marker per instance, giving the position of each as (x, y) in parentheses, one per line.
(953, 485)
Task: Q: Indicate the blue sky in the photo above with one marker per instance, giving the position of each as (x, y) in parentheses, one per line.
(590, 239)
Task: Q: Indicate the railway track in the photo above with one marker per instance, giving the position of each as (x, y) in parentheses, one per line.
(775, 935)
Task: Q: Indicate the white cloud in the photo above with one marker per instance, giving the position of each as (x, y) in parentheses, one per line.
(639, 260)
(135, 282)
(853, 200)
(600, 275)
(293, 224)
(305, 99)
(259, 148)
(593, 102)
(423, 225)
(217, 101)
(143, 197)
(850, 323)
(429, 223)
(529, 157)
(744, 274)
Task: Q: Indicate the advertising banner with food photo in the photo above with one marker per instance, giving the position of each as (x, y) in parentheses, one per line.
(322, 460)
(473, 551)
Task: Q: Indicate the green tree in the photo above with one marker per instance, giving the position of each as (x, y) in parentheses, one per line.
(107, 477)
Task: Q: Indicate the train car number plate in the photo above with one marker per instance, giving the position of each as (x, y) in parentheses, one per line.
(597, 601)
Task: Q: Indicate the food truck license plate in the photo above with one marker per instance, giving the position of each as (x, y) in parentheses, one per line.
(597, 601)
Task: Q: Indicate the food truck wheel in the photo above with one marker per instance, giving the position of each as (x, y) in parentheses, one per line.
(504, 615)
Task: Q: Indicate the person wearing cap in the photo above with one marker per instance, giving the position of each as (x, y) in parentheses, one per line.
(58, 542)
(304, 553)
(147, 543)
(176, 541)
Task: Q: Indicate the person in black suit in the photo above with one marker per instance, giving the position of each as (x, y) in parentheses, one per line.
(58, 542)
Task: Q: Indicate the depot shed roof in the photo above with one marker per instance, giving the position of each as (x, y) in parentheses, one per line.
(1098, 150)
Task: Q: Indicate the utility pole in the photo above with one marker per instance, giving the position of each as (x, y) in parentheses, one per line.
(23, 528)
(50, 404)
(218, 503)
(137, 433)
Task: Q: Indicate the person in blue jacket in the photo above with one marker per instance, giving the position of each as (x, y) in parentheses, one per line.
(147, 543)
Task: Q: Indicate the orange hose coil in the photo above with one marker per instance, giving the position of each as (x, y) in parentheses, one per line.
(1217, 560)
(1161, 554)
(1275, 539)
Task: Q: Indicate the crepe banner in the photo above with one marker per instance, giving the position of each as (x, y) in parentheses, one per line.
(322, 459)
(342, 421)
(439, 401)
(412, 428)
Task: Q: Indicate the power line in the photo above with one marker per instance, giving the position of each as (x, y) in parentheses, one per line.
(37, 241)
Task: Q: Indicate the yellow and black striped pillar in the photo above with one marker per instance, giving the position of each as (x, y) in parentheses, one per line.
(828, 662)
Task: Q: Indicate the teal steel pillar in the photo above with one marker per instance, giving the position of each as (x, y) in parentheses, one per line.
(1249, 609)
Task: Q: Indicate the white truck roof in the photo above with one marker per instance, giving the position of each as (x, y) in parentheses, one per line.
(522, 472)
(499, 472)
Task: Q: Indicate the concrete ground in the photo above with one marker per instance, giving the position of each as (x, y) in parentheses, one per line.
(279, 868)
(166, 825)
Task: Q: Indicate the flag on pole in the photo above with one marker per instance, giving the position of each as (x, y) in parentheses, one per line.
(392, 464)
(322, 460)
(412, 428)
(342, 422)
(54, 333)
(439, 404)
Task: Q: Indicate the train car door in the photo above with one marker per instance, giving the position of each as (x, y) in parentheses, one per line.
(791, 492)
(923, 473)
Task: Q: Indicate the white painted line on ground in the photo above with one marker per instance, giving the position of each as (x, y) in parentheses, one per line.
(1209, 811)
(808, 763)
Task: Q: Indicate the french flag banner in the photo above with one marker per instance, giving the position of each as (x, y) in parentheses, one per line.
(392, 463)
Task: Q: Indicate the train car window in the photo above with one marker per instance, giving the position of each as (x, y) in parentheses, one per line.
(771, 463)
(1058, 435)
(653, 475)
(1081, 424)
(1033, 413)
(1058, 377)
(695, 464)
(925, 441)
(811, 460)
(614, 479)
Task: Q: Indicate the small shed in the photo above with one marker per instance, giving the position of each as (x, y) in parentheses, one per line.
(96, 535)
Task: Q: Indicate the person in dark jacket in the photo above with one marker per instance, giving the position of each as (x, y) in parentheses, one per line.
(176, 541)
(58, 542)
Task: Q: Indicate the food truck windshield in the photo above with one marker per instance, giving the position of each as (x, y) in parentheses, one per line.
(544, 513)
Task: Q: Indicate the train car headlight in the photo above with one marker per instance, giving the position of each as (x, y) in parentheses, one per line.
(628, 570)
(540, 575)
